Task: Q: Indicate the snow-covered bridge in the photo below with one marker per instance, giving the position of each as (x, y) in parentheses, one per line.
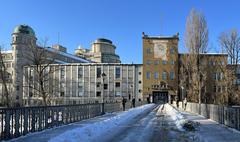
(147, 123)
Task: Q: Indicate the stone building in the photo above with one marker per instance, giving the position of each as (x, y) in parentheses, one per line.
(97, 75)
(23, 42)
(214, 88)
(160, 67)
(162, 76)
(89, 82)
(102, 51)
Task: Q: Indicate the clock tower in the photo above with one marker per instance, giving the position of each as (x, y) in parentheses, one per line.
(160, 67)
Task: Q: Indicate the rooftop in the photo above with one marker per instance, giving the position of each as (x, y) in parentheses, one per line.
(160, 37)
(24, 29)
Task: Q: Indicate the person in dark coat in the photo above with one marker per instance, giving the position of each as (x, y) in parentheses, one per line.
(123, 103)
(133, 102)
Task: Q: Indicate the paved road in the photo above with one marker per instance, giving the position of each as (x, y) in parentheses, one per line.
(149, 127)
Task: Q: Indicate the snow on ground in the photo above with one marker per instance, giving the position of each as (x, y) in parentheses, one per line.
(94, 131)
(174, 114)
(211, 131)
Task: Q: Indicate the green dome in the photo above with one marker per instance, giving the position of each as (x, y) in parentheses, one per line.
(24, 29)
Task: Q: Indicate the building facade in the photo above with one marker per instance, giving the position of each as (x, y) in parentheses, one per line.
(86, 83)
(24, 43)
(164, 79)
(160, 67)
(102, 51)
(96, 75)
(214, 88)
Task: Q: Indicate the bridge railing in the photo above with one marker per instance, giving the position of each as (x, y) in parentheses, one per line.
(229, 116)
(15, 122)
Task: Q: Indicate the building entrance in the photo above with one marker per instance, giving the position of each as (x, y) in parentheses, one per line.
(160, 97)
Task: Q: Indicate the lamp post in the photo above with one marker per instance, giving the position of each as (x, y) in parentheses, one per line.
(103, 75)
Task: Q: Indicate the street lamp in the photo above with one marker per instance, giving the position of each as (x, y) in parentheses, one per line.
(103, 75)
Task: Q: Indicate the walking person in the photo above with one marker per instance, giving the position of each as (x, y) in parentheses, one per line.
(185, 103)
(133, 102)
(123, 103)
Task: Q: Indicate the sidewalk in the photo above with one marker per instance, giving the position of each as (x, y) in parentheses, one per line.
(211, 131)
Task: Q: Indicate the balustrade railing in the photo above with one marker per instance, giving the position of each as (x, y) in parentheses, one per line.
(15, 122)
(227, 115)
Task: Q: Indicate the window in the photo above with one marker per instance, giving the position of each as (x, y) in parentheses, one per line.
(117, 72)
(172, 50)
(172, 75)
(164, 62)
(148, 75)
(118, 94)
(156, 62)
(164, 76)
(155, 75)
(139, 73)
(61, 94)
(62, 72)
(210, 63)
(98, 94)
(215, 89)
(117, 84)
(139, 90)
(148, 51)
(98, 84)
(99, 72)
(80, 93)
(139, 82)
(213, 63)
(223, 88)
(172, 62)
(148, 62)
(79, 84)
(80, 72)
(222, 63)
(30, 93)
(238, 81)
(218, 76)
(221, 76)
(62, 85)
(80, 89)
(31, 75)
(215, 76)
(219, 89)
(105, 86)
(238, 70)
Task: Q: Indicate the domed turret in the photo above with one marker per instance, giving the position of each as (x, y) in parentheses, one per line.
(103, 40)
(24, 29)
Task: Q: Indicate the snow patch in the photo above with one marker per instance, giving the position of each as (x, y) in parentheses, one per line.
(176, 116)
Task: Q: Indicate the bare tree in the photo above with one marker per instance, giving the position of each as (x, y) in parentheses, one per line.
(196, 41)
(230, 44)
(5, 80)
(40, 59)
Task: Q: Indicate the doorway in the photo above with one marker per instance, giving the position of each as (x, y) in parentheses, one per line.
(160, 97)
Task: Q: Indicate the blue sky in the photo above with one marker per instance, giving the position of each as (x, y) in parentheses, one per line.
(79, 22)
